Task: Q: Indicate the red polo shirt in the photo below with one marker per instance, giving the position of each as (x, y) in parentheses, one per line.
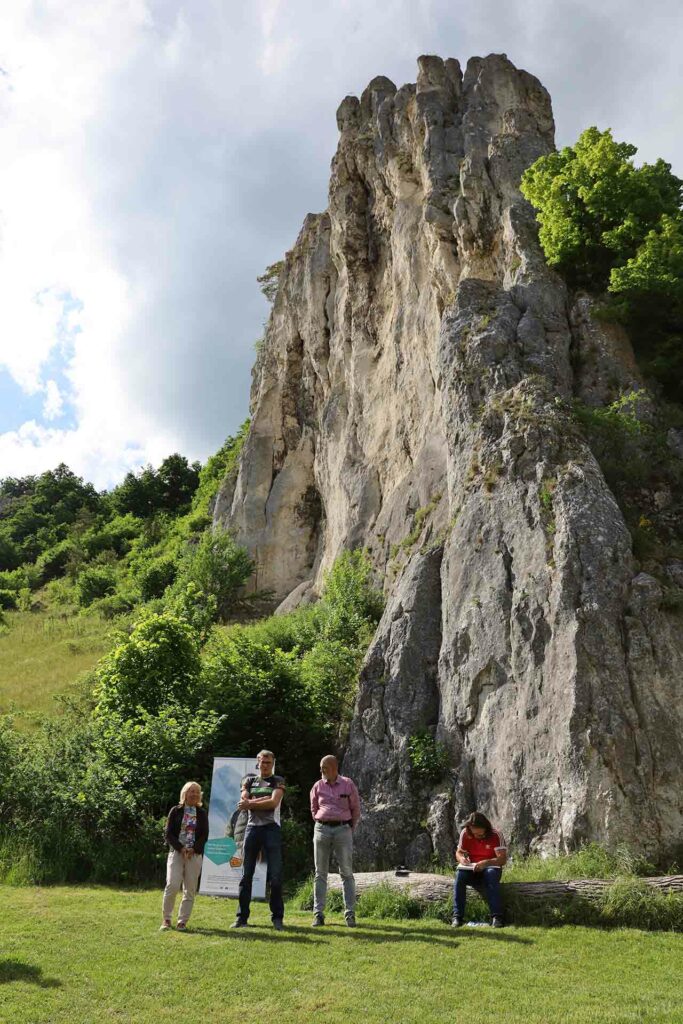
(481, 849)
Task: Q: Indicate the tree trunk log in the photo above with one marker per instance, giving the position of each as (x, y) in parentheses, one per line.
(439, 887)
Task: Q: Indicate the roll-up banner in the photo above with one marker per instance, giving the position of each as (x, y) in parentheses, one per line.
(222, 867)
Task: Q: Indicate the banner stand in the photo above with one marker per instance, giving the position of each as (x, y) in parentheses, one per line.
(222, 866)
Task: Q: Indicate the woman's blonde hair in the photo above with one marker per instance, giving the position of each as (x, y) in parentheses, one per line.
(184, 790)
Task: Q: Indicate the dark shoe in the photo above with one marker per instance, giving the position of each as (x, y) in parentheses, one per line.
(497, 922)
(318, 921)
(456, 922)
(181, 926)
(165, 925)
(351, 921)
(239, 923)
(278, 926)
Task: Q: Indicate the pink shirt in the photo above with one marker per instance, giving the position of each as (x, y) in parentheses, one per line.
(335, 801)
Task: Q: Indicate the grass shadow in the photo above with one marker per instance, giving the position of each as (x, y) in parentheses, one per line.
(292, 933)
(396, 933)
(16, 970)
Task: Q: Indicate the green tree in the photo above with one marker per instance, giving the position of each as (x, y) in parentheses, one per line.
(595, 207)
(269, 280)
(138, 493)
(177, 482)
(218, 567)
(156, 665)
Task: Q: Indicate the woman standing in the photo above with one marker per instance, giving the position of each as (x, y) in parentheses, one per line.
(186, 832)
(481, 856)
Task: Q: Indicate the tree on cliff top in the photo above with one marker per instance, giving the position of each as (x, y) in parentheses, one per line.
(595, 207)
(606, 224)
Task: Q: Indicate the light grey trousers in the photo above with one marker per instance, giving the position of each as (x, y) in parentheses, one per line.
(180, 871)
(337, 840)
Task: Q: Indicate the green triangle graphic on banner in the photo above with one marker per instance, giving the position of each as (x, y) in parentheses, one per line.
(219, 851)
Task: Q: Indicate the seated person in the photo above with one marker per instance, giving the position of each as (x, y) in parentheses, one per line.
(481, 856)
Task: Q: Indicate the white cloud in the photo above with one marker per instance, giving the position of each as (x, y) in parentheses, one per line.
(158, 154)
(53, 405)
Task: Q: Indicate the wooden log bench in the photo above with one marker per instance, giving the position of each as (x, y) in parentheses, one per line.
(439, 887)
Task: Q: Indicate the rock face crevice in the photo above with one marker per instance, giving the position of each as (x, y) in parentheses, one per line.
(413, 397)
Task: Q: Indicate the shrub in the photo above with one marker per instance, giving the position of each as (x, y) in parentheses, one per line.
(269, 280)
(156, 576)
(329, 671)
(116, 535)
(13, 579)
(84, 798)
(605, 223)
(218, 567)
(93, 582)
(53, 562)
(156, 665)
(11, 555)
(112, 606)
(351, 605)
(428, 758)
(298, 630)
(9, 600)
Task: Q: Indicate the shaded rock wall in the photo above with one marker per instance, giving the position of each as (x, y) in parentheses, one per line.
(413, 397)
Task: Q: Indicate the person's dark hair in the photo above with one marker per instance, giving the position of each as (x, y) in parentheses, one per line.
(479, 821)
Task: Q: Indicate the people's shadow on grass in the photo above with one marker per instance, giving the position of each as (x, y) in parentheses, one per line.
(364, 932)
(15, 970)
(292, 933)
(381, 932)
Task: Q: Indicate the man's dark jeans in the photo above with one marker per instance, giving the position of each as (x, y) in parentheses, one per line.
(487, 884)
(257, 838)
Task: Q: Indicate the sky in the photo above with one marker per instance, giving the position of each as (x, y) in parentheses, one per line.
(157, 155)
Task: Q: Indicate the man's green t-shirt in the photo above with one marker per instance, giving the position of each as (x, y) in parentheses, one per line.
(257, 787)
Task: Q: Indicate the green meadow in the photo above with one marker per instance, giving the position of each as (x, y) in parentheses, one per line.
(43, 655)
(90, 955)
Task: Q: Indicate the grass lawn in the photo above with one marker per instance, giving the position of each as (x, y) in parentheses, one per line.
(88, 955)
(42, 655)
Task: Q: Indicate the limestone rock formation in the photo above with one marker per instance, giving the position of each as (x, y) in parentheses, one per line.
(413, 396)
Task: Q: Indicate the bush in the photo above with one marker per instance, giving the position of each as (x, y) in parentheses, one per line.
(329, 671)
(156, 665)
(428, 758)
(53, 562)
(351, 606)
(13, 579)
(116, 535)
(590, 861)
(11, 555)
(388, 902)
(218, 568)
(156, 576)
(85, 798)
(302, 899)
(112, 606)
(9, 600)
(259, 691)
(93, 582)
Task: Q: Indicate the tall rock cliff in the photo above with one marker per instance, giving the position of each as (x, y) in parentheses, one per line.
(413, 397)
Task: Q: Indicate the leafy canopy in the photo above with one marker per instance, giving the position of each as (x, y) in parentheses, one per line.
(609, 225)
(595, 207)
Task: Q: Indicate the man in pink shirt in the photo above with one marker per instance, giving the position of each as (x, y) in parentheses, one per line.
(335, 807)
